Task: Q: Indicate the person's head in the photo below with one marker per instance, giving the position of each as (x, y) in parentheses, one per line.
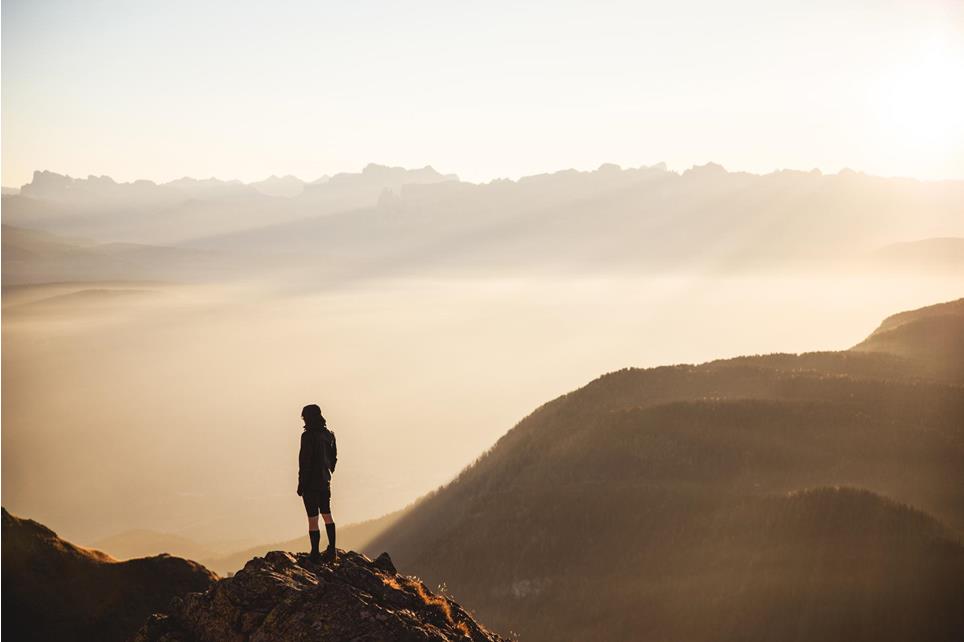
(311, 414)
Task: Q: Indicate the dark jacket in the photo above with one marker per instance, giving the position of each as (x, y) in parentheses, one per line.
(316, 459)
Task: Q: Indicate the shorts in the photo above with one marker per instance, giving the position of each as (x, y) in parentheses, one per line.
(317, 500)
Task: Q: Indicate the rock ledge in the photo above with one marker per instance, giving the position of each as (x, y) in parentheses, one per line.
(284, 596)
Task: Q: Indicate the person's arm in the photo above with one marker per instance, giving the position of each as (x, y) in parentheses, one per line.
(304, 460)
(334, 453)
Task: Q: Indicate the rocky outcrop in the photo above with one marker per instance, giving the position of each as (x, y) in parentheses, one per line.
(284, 596)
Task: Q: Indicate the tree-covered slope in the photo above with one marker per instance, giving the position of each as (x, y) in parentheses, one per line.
(671, 503)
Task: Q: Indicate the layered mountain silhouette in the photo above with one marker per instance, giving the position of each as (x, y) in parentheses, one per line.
(54, 590)
(931, 254)
(284, 186)
(390, 220)
(795, 497)
(647, 218)
(32, 257)
(99, 208)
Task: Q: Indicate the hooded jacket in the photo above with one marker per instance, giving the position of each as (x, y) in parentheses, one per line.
(316, 459)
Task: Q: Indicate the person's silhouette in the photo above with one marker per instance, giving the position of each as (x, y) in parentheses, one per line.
(316, 463)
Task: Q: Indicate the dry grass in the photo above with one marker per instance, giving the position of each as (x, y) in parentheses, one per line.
(442, 604)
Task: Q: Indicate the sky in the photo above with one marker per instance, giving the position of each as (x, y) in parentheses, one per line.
(160, 90)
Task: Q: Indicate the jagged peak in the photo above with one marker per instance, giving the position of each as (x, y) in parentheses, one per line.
(707, 169)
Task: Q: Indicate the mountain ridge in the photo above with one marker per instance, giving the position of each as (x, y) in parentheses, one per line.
(650, 480)
(396, 220)
(49, 184)
(45, 176)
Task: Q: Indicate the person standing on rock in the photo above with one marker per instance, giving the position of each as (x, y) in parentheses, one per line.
(316, 463)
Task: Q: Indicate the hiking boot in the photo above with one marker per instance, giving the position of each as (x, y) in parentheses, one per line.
(329, 556)
(315, 537)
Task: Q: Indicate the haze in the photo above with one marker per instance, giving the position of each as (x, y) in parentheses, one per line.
(634, 320)
(160, 340)
(363, 249)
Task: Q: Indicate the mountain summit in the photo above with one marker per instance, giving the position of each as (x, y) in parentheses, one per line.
(287, 597)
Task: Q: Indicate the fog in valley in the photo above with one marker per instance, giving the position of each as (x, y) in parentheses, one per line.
(159, 341)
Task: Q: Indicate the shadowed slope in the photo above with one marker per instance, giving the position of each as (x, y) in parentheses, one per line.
(54, 590)
(930, 338)
(652, 504)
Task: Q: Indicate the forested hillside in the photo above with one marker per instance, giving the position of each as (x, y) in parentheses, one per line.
(793, 497)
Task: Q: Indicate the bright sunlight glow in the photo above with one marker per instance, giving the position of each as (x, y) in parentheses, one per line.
(922, 102)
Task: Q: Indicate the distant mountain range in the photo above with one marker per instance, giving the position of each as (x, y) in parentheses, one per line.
(936, 254)
(780, 497)
(356, 536)
(145, 212)
(31, 256)
(390, 220)
(60, 187)
(143, 543)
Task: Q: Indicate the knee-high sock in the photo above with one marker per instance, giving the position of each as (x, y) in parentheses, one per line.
(315, 537)
(330, 529)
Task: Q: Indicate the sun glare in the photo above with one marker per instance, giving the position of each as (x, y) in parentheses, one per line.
(922, 102)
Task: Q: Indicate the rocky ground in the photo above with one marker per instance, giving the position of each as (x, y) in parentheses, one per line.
(284, 596)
